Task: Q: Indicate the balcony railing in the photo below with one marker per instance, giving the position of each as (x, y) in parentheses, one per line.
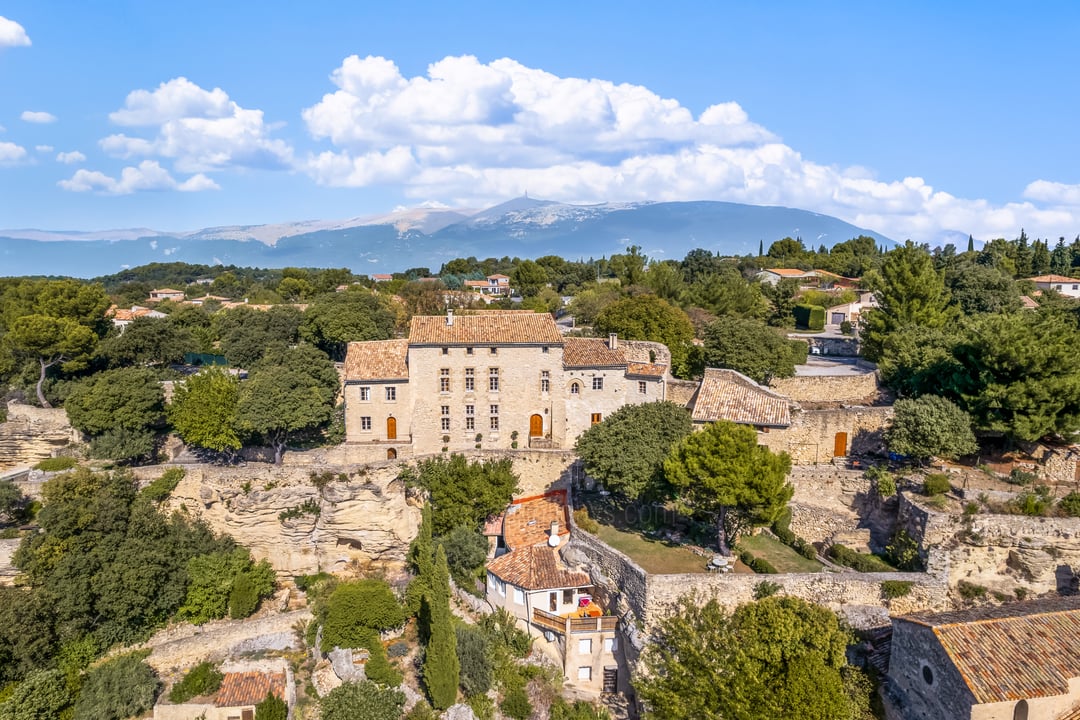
(565, 625)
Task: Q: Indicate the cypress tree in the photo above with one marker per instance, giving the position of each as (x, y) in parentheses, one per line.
(760, 248)
(971, 244)
(442, 669)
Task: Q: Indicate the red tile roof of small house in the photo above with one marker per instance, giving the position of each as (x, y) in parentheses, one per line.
(729, 395)
(1053, 279)
(249, 688)
(537, 568)
(377, 360)
(646, 369)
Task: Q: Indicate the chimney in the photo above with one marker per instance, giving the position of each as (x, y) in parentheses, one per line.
(449, 317)
(613, 341)
(553, 538)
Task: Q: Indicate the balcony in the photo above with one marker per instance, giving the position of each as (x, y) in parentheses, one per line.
(570, 624)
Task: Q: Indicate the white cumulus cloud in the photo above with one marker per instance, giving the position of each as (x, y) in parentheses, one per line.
(37, 116)
(12, 34)
(43, 148)
(147, 176)
(11, 154)
(70, 158)
(469, 133)
(199, 130)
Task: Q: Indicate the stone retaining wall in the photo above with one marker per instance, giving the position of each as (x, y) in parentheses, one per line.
(827, 388)
(811, 437)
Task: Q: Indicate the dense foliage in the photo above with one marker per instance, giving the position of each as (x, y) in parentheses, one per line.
(930, 426)
(354, 608)
(362, 700)
(442, 669)
(464, 493)
(117, 689)
(202, 679)
(752, 348)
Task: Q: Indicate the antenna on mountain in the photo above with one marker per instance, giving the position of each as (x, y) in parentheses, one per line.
(526, 194)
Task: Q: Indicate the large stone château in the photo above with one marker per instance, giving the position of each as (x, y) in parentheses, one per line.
(494, 379)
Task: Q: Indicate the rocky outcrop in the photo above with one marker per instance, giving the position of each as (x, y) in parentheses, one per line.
(359, 517)
(32, 434)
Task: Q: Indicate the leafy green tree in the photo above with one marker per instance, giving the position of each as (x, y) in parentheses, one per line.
(750, 347)
(464, 493)
(41, 696)
(920, 360)
(356, 607)
(272, 708)
(588, 303)
(788, 252)
(281, 403)
(51, 341)
(203, 411)
(148, 341)
(366, 700)
(120, 688)
(778, 657)
(930, 426)
(474, 656)
(723, 472)
(629, 267)
(213, 578)
(980, 288)
(528, 277)
(247, 334)
(647, 317)
(110, 402)
(12, 501)
(336, 319)
(626, 451)
(203, 679)
(466, 551)
(909, 291)
(442, 670)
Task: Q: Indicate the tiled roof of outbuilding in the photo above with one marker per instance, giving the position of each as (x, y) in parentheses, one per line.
(377, 360)
(528, 521)
(1010, 652)
(646, 369)
(485, 329)
(591, 352)
(249, 688)
(729, 395)
(536, 568)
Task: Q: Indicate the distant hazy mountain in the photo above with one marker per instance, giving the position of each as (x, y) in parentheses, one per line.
(523, 227)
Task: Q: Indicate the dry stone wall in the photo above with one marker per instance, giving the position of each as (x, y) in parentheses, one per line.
(827, 388)
(811, 437)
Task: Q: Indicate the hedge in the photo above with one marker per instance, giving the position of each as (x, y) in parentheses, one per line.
(809, 317)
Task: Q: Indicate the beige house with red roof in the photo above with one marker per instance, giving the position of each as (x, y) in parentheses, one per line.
(497, 379)
(1019, 661)
(530, 580)
(1067, 286)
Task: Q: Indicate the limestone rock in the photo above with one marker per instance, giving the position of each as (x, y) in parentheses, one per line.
(459, 712)
(324, 678)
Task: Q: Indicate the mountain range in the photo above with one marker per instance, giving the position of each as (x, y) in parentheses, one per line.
(427, 237)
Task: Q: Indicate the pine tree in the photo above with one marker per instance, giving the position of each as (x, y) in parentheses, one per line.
(442, 669)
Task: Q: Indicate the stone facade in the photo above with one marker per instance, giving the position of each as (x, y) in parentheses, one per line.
(514, 385)
(814, 435)
(827, 388)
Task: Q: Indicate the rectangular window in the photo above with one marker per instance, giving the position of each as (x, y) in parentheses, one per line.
(446, 351)
(544, 350)
(584, 645)
(444, 380)
(365, 394)
(470, 409)
(545, 381)
(445, 411)
(642, 387)
(519, 596)
(500, 586)
(598, 383)
(610, 644)
(596, 417)
(494, 422)
(470, 380)
(493, 409)
(365, 424)
(494, 351)
(470, 423)
(584, 673)
(493, 379)
(391, 393)
(468, 351)
(445, 424)
(567, 597)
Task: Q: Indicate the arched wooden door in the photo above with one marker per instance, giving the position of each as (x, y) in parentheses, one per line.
(536, 426)
(391, 428)
(391, 454)
(840, 445)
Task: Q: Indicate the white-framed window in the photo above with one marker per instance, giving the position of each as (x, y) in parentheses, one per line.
(610, 644)
(643, 387)
(470, 423)
(444, 380)
(598, 383)
(470, 380)
(545, 381)
(584, 673)
(365, 394)
(494, 422)
(493, 409)
(575, 388)
(444, 411)
(470, 409)
(445, 423)
(584, 645)
(519, 596)
(365, 423)
(391, 393)
(493, 379)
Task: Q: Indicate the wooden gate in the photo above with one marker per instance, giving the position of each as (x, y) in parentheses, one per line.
(840, 445)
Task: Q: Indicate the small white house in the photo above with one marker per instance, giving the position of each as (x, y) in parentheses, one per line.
(1067, 286)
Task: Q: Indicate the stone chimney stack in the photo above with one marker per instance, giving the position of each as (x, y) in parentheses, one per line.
(553, 538)
(613, 341)
(449, 317)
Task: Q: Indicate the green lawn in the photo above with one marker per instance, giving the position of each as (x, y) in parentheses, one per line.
(783, 558)
(654, 556)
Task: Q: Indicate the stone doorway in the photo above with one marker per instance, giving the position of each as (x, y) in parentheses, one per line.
(391, 428)
(840, 445)
(536, 426)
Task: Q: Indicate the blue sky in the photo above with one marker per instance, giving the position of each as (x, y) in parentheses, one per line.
(907, 118)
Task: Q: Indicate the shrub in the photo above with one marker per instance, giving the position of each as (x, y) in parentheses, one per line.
(482, 706)
(970, 591)
(202, 679)
(766, 588)
(516, 704)
(366, 700)
(579, 710)
(893, 589)
(420, 711)
(466, 550)
(903, 552)
(807, 550)
(759, 565)
(272, 708)
(162, 487)
(862, 562)
(1020, 593)
(809, 317)
(1070, 504)
(586, 523)
(56, 464)
(971, 508)
(243, 598)
(845, 327)
(308, 582)
(936, 484)
(117, 689)
(1021, 477)
(356, 607)
(1031, 503)
(308, 507)
(378, 669)
(474, 654)
(885, 486)
(503, 633)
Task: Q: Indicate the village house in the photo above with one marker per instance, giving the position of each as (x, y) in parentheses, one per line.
(850, 312)
(122, 317)
(244, 685)
(730, 395)
(382, 277)
(498, 285)
(529, 579)
(1019, 661)
(491, 379)
(166, 294)
(807, 278)
(1067, 286)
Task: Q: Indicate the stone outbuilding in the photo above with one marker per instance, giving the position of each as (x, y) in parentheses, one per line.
(1019, 661)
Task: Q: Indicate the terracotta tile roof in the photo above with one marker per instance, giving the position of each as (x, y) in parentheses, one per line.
(1053, 279)
(728, 395)
(1010, 652)
(790, 272)
(249, 688)
(382, 276)
(163, 291)
(528, 521)
(476, 283)
(537, 568)
(591, 352)
(136, 311)
(498, 277)
(377, 360)
(1028, 303)
(645, 369)
(485, 329)
(493, 525)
